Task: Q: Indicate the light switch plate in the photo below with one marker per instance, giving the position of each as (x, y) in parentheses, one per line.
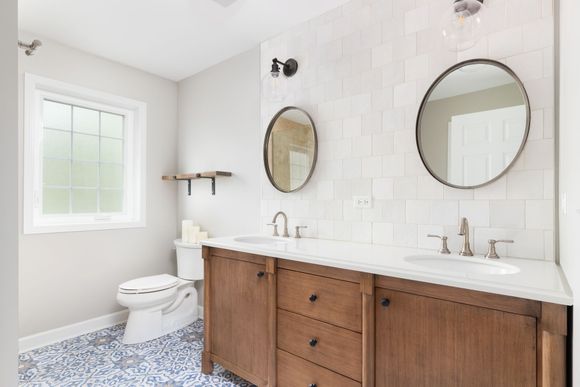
(362, 202)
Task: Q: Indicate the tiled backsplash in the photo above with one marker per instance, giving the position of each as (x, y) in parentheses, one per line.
(364, 68)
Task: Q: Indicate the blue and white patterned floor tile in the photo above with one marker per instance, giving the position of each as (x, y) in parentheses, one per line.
(100, 359)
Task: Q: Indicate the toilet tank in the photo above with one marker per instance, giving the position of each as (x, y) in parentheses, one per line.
(189, 260)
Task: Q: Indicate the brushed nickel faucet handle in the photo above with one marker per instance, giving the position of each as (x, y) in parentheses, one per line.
(444, 249)
(275, 229)
(297, 231)
(491, 253)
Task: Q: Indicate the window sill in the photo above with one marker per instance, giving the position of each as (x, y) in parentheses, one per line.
(108, 225)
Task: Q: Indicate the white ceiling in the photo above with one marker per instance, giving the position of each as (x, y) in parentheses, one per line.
(173, 39)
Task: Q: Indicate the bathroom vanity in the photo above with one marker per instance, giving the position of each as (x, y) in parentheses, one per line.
(315, 313)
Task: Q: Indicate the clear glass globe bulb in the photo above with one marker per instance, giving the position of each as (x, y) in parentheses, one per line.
(462, 24)
(274, 89)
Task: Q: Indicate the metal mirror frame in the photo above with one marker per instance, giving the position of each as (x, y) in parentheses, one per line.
(267, 139)
(437, 81)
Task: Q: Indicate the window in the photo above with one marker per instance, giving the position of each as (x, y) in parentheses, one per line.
(84, 159)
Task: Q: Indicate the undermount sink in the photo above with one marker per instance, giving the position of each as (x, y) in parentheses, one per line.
(260, 240)
(460, 264)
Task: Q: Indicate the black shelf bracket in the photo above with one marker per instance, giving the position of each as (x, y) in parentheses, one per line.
(202, 177)
(212, 183)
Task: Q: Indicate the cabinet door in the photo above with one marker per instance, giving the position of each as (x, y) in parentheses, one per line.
(422, 341)
(239, 318)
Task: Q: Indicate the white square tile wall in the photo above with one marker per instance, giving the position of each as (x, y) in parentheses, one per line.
(364, 68)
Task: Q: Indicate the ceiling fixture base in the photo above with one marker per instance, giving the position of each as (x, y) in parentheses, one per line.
(471, 7)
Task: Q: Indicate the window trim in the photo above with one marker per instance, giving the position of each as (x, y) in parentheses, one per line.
(36, 89)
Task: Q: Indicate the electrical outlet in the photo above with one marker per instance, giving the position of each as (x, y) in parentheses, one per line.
(362, 202)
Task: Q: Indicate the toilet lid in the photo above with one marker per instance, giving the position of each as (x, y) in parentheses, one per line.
(154, 283)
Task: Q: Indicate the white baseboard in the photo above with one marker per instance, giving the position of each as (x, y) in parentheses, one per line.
(59, 334)
(67, 332)
(42, 339)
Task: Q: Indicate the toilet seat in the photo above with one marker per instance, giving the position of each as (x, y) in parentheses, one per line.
(150, 284)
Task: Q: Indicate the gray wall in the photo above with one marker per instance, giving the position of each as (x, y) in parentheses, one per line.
(8, 194)
(570, 159)
(71, 277)
(219, 112)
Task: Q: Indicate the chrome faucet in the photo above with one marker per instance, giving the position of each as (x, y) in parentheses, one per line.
(464, 232)
(285, 234)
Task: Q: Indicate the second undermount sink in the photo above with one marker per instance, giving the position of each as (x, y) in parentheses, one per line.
(460, 264)
(260, 240)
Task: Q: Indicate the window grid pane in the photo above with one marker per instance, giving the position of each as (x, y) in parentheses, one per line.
(56, 144)
(56, 172)
(56, 200)
(86, 120)
(81, 186)
(56, 115)
(112, 125)
(84, 174)
(111, 176)
(84, 200)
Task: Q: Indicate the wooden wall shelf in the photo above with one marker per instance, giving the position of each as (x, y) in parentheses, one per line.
(199, 175)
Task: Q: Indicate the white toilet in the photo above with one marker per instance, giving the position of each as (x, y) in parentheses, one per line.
(161, 304)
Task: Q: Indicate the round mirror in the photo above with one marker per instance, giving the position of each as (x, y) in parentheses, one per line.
(473, 123)
(290, 149)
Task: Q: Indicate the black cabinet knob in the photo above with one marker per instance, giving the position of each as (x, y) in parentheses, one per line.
(385, 302)
(313, 297)
(312, 385)
(313, 342)
(260, 274)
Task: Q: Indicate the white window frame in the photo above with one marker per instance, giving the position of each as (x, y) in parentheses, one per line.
(36, 89)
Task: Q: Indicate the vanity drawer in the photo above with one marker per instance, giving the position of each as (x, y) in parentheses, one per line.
(296, 372)
(335, 348)
(333, 301)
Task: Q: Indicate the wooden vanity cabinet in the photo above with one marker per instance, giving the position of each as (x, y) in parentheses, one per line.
(423, 341)
(437, 336)
(282, 323)
(239, 313)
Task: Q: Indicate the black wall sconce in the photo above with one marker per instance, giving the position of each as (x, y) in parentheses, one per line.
(289, 68)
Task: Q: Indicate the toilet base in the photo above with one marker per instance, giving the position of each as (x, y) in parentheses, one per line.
(148, 324)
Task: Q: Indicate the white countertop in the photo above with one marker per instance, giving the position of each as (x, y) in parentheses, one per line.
(536, 280)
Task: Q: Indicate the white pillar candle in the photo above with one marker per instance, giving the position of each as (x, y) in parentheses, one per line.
(185, 225)
(192, 234)
(201, 236)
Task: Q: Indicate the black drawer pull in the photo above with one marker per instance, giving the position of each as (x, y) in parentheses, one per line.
(313, 297)
(385, 302)
(313, 342)
(260, 274)
(312, 385)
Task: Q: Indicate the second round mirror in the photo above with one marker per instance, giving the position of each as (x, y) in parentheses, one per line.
(473, 123)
